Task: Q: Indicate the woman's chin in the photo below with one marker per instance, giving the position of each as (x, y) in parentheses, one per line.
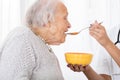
(60, 42)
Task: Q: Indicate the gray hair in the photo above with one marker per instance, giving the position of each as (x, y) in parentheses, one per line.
(41, 12)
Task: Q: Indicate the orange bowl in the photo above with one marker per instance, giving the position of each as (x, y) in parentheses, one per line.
(78, 58)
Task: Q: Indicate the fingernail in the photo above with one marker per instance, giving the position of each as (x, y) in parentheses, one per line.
(100, 22)
(90, 24)
(95, 21)
(68, 65)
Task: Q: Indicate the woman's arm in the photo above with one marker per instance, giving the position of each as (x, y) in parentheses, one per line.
(17, 60)
(99, 33)
(89, 72)
(114, 51)
(92, 75)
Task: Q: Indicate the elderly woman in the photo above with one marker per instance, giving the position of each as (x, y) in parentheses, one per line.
(26, 54)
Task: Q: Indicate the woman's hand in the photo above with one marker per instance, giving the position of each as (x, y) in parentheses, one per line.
(77, 68)
(99, 33)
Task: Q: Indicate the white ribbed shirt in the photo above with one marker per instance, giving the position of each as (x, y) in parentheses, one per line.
(25, 56)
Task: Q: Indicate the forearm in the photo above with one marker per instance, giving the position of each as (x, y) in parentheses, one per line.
(89, 72)
(114, 51)
(92, 75)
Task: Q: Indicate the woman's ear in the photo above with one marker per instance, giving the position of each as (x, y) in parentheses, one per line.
(34, 28)
(47, 25)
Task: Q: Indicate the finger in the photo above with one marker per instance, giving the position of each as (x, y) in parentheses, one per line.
(68, 65)
(100, 23)
(82, 68)
(95, 35)
(93, 27)
(71, 67)
(95, 32)
(96, 25)
(96, 21)
(76, 68)
(86, 67)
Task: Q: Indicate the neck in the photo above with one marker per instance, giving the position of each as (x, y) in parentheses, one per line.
(39, 31)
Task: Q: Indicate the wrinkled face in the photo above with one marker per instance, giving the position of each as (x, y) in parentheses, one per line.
(60, 25)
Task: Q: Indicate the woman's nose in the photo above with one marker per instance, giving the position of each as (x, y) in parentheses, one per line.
(69, 25)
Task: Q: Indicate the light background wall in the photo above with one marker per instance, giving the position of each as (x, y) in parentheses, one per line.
(81, 14)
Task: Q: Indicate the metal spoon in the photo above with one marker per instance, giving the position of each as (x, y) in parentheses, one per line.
(75, 33)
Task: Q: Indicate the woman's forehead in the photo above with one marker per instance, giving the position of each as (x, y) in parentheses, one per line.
(61, 8)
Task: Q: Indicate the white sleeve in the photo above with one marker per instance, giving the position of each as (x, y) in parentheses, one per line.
(17, 60)
(103, 63)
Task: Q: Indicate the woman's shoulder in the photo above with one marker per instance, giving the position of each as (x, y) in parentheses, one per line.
(19, 32)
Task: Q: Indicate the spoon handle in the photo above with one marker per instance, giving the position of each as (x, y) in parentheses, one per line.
(84, 29)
